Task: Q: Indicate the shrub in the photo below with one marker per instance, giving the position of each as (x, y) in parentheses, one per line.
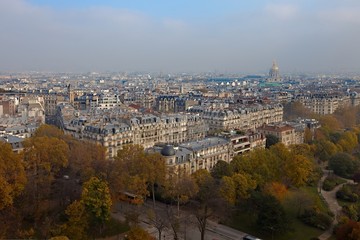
(331, 182)
(346, 194)
(317, 219)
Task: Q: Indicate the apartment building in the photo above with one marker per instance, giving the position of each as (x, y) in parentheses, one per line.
(190, 157)
(114, 131)
(287, 133)
(248, 118)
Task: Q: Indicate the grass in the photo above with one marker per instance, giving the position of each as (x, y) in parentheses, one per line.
(246, 221)
(331, 182)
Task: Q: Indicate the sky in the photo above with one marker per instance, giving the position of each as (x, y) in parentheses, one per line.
(229, 36)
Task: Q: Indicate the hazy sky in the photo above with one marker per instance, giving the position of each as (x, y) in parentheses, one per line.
(180, 35)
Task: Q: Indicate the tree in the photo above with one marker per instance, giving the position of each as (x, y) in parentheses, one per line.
(348, 230)
(77, 223)
(346, 116)
(244, 184)
(138, 233)
(271, 140)
(12, 182)
(329, 123)
(325, 149)
(306, 150)
(207, 197)
(228, 190)
(260, 164)
(276, 189)
(294, 110)
(173, 221)
(348, 141)
(128, 171)
(221, 169)
(272, 217)
(87, 159)
(298, 170)
(44, 157)
(159, 222)
(12, 175)
(46, 130)
(179, 187)
(156, 171)
(97, 200)
(343, 165)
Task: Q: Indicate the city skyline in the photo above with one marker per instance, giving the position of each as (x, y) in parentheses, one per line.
(174, 36)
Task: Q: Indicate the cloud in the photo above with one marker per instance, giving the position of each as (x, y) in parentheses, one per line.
(282, 11)
(321, 38)
(341, 15)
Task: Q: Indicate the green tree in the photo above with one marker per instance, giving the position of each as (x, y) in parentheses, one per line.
(325, 149)
(343, 165)
(97, 200)
(260, 164)
(272, 217)
(271, 140)
(221, 169)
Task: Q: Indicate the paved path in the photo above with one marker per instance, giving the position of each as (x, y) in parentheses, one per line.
(330, 199)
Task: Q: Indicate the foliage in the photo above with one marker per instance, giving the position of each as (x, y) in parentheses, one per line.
(346, 193)
(331, 182)
(97, 200)
(276, 189)
(352, 211)
(343, 164)
(294, 110)
(208, 200)
(77, 223)
(221, 169)
(325, 149)
(350, 230)
(137, 233)
(277, 164)
(315, 218)
(348, 141)
(271, 140)
(272, 217)
(179, 188)
(12, 175)
(135, 171)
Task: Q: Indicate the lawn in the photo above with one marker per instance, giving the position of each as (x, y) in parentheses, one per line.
(299, 231)
(331, 182)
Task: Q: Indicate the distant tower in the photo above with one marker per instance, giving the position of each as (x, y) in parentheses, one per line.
(71, 94)
(274, 74)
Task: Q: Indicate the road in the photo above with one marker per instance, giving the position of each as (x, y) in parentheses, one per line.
(188, 224)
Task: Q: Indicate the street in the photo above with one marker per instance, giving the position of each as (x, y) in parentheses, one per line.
(188, 229)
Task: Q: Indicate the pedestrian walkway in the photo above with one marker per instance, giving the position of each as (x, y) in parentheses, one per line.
(330, 199)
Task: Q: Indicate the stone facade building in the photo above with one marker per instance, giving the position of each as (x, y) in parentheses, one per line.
(147, 130)
(243, 119)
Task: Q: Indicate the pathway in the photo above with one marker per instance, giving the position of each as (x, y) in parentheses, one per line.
(330, 199)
